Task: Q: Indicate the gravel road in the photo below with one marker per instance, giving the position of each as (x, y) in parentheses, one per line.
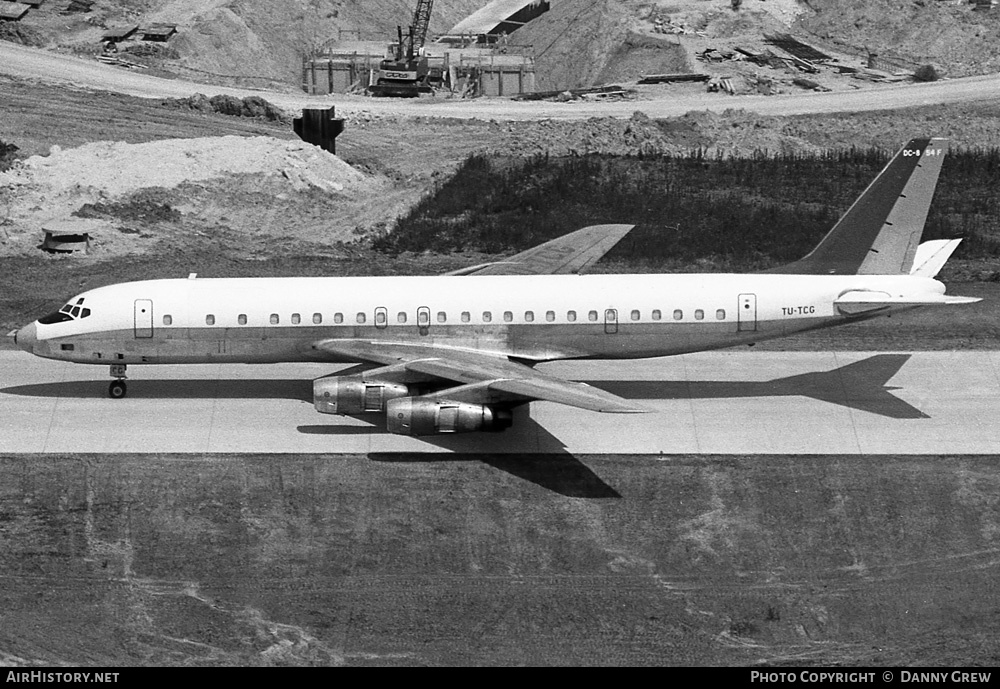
(30, 63)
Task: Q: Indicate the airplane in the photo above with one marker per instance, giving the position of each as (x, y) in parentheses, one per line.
(456, 352)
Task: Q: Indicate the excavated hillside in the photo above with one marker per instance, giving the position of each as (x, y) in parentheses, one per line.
(949, 34)
(250, 42)
(577, 43)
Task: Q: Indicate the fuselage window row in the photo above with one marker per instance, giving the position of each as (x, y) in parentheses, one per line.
(381, 318)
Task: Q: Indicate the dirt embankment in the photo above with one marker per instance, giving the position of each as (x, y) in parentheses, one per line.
(131, 196)
(961, 41)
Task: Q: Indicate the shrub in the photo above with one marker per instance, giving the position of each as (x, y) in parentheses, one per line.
(8, 154)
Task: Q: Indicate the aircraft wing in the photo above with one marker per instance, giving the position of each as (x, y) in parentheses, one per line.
(481, 378)
(571, 253)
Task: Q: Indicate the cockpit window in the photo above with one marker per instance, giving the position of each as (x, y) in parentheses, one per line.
(57, 317)
(66, 313)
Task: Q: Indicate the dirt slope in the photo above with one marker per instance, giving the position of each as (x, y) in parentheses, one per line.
(252, 42)
(949, 34)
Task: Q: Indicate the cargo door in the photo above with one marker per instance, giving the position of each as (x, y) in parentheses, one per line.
(747, 314)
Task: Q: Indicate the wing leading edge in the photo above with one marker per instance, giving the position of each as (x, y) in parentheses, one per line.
(481, 378)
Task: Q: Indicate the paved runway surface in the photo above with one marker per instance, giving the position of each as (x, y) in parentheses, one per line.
(740, 402)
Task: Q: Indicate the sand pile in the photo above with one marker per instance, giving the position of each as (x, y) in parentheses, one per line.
(47, 190)
(113, 168)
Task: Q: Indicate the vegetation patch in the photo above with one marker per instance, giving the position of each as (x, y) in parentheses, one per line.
(8, 154)
(733, 213)
(147, 205)
(251, 106)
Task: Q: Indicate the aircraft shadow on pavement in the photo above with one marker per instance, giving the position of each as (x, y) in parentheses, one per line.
(543, 460)
(862, 385)
(180, 388)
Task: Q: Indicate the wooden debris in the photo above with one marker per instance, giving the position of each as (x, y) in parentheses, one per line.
(670, 78)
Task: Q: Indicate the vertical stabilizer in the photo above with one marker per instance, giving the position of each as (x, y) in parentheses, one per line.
(880, 232)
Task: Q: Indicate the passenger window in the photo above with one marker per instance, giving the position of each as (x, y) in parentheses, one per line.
(466, 317)
(550, 316)
(361, 317)
(168, 319)
(591, 315)
(296, 319)
(209, 319)
(317, 318)
(401, 317)
(656, 314)
(274, 319)
(508, 316)
(678, 314)
(635, 314)
(487, 316)
(442, 317)
(720, 315)
(529, 316)
(699, 314)
(571, 316)
(242, 319)
(338, 318)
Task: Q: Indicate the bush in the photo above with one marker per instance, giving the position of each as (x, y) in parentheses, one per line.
(8, 154)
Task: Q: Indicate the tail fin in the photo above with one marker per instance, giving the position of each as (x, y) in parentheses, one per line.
(879, 233)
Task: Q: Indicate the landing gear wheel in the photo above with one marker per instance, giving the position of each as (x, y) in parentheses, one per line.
(117, 389)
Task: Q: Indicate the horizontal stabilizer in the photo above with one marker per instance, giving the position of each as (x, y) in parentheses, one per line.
(860, 301)
(931, 256)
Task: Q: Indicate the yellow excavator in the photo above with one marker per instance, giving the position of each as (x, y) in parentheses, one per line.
(405, 72)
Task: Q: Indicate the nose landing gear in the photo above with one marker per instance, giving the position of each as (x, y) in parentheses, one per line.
(117, 389)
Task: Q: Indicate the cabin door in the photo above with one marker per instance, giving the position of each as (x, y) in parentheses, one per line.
(143, 318)
(747, 314)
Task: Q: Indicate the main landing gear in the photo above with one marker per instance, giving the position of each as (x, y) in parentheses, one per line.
(117, 389)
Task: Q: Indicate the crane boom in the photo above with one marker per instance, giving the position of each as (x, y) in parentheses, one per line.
(421, 19)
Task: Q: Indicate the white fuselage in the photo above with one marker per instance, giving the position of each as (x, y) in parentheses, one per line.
(536, 318)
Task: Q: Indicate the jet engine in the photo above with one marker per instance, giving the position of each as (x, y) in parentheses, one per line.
(354, 395)
(413, 416)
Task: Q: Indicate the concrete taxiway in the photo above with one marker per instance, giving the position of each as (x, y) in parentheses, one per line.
(740, 402)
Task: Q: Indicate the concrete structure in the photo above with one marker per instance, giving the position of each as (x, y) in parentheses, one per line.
(729, 402)
(498, 70)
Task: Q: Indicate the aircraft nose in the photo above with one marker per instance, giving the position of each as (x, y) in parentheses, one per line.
(25, 337)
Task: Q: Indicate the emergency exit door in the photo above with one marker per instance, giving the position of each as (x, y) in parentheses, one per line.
(143, 318)
(610, 321)
(747, 313)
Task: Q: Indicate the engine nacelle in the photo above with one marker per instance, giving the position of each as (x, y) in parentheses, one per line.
(413, 416)
(354, 395)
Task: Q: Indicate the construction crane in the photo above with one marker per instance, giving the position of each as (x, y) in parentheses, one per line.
(405, 72)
